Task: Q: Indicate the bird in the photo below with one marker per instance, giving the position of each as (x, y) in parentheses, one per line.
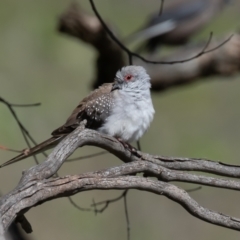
(122, 109)
(177, 23)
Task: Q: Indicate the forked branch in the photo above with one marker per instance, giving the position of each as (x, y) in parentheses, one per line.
(88, 28)
(37, 184)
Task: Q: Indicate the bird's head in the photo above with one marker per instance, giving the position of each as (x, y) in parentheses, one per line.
(132, 78)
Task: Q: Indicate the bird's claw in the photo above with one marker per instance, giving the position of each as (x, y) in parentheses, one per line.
(127, 146)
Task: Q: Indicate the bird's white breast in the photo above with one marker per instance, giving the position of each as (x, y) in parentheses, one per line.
(130, 116)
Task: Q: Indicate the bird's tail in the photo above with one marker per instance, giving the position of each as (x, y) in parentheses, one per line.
(49, 143)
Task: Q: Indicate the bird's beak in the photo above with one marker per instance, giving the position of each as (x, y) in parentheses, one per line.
(115, 86)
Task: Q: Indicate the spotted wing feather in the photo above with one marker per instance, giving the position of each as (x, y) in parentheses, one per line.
(95, 108)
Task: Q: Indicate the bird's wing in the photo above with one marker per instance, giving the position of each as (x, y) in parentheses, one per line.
(89, 108)
(93, 108)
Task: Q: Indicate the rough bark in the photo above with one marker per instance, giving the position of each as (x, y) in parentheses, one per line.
(38, 185)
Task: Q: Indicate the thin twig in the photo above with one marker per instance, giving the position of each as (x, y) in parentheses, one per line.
(31, 190)
(131, 54)
(107, 202)
(127, 215)
(204, 51)
(23, 130)
(139, 145)
(193, 189)
(161, 8)
(19, 105)
(26, 134)
(77, 206)
(26, 105)
(9, 149)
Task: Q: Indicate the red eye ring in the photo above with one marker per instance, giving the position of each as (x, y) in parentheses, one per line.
(128, 77)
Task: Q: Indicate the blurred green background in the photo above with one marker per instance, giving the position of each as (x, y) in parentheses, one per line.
(37, 64)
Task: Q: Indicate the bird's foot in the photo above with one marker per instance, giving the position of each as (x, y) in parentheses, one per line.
(129, 147)
(125, 144)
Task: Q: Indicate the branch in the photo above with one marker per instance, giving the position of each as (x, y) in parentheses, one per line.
(1, 229)
(133, 54)
(26, 135)
(37, 186)
(224, 61)
(76, 23)
(44, 190)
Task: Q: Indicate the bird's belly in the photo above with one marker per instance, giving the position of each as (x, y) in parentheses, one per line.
(129, 125)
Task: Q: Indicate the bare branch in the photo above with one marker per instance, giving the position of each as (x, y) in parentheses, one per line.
(133, 54)
(22, 128)
(9, 149)
(19, 105)
(55, 160)
(107, 202)
(75, 22)
(161, 7)
(77, 206)
(37, 186)
(45, 190)
(87, 156)
(25, 105)
(224, 61)
(127, 215)
(26, 135)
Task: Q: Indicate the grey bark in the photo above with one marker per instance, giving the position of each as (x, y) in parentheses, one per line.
(38, 185)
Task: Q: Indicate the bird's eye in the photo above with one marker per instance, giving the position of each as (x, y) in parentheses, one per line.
(128, 77)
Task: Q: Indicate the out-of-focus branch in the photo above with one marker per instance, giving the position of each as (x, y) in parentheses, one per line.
(223, 61)
(26, 135)
(37, 184)
(77, 23)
